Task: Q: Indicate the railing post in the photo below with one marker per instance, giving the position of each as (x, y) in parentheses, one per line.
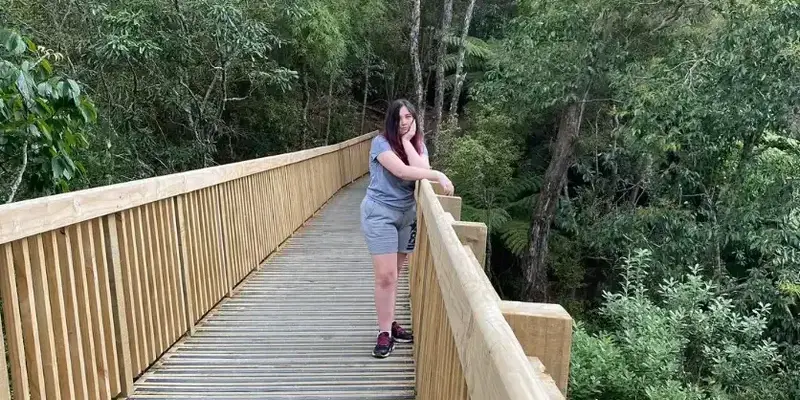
(439, 367)
(180, 232)
(473, 234)
(13, 321)
(451, 204)
(5, 389)
(545, 331)
(118, 306)
(222, 235)
(553, 392)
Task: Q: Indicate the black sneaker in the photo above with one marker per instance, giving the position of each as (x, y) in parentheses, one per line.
(384, 347)
(401, 335)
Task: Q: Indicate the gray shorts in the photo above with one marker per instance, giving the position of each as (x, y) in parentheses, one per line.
(388, 230)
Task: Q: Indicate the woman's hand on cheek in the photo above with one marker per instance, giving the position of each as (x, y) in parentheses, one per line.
(411, 132)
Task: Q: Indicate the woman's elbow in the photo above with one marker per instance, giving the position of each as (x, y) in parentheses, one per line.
(408, 173)
(405, 174)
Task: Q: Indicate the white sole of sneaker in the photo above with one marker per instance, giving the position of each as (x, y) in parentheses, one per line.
(376, 355)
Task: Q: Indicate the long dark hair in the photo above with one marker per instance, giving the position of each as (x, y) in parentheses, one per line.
(391, 126)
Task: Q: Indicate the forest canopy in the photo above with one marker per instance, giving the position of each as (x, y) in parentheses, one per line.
(636, 162)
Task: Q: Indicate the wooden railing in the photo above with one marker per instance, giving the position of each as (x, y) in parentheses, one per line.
(470, 344)
(96, 285)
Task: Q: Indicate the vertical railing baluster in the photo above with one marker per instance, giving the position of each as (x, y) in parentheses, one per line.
(118, 305)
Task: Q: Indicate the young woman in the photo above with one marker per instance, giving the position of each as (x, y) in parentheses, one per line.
(397, 159)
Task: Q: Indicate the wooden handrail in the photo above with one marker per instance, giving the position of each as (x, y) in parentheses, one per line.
(97, 284)
(98, 290)
(466, 347)
(30, 217)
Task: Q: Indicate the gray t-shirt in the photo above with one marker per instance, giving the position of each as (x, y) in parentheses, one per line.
(384, 187)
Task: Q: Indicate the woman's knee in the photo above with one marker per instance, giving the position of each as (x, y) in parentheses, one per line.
(386, 270)
(387, 278)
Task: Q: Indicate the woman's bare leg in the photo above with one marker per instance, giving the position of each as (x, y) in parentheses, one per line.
(385, 288)
(399, 333)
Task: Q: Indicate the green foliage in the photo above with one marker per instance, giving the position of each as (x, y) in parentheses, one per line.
(721, 188)
(688, 149)
(476, 53)
(320, 32)
(483, 164)
(126, 38)
(685, 340)
(42, 114)
(187, 84)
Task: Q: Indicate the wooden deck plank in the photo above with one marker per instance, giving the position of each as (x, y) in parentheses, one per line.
(300, 327)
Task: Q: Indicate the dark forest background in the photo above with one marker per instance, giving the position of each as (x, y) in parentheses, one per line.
(636, 162)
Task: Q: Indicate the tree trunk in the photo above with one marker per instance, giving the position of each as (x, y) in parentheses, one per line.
(545, 208)
(487, 266)
(460, 75)
(18, 180)
(447, 16)
(366, 91)
(306, 100)
(415, 22)
(330, 111)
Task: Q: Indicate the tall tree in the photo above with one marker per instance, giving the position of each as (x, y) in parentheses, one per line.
(441, 53)
(545, 207)
(415, 25)
(460, 75)
(556, 57)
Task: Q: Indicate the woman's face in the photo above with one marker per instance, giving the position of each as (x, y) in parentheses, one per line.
(406, 121)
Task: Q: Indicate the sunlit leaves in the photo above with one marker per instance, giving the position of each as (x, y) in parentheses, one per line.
(685, 340)
(42, 112)
(688, 149)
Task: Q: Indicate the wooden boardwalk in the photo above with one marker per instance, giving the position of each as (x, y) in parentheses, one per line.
(302, 326)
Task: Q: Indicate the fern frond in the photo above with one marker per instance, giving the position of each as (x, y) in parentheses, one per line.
(475, 47)
(450, 62)
(523, 206)
(494, 218)
(521, 185)
(515, 236)
(471, 213)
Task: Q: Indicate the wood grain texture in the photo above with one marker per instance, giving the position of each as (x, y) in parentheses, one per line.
(302, 325)
(550, 385)
(473, 234)
(493, 362)
(57, 299)
(5, 387)
(451, 204)
(94, 297)
(117, 296)
(545, 332)
(89, 307)
(28, 313)
(70, 208)
(13, 321)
